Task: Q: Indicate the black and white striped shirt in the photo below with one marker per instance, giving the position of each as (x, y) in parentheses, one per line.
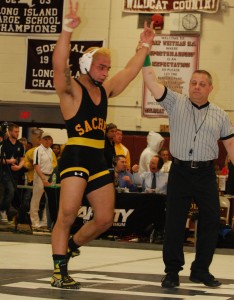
(195, 131)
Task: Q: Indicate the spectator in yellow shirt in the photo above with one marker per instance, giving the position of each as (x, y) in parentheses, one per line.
(120, 149)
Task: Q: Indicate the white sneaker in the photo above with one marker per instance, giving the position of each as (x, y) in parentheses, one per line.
(3, 217)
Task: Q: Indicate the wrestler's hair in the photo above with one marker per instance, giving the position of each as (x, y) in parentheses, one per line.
(89, 55)
(101, 50)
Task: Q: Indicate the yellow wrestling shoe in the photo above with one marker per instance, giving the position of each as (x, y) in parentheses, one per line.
(64, 282)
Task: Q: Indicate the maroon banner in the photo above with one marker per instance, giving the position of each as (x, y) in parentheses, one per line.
(39, 71)
(161, 6)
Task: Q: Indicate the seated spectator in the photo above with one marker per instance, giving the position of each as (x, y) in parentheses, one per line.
(120, 149)
(154, 180)
(154, 144)
(123, 178)
(164, 153)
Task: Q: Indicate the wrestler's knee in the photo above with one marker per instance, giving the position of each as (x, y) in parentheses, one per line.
(66, 219)
(104, 222)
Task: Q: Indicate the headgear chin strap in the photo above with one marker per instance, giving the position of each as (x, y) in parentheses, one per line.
(95, 82)
(85, 61)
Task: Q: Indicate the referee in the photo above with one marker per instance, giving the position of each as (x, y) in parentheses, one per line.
(196, 125)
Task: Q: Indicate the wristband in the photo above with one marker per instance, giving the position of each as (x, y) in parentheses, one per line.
(147, 62)
(146, 45)
(65, 27)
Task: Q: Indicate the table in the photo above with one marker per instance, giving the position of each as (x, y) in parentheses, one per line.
(134, 212)
(22, 202)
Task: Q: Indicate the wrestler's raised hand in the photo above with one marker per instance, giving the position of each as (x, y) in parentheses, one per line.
(71, 20)
(148, 34)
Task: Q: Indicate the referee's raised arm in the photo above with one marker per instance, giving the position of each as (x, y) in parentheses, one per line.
(150, 79)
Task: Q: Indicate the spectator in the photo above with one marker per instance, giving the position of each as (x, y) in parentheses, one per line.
(120, 149)
(43, 167)
(12, 161)
(57, 150)
(28, 161)
(21, 174)
(164, 153)
(29, 146)
(153, 180)
(109, 150)
(123, 178)
(154, 144)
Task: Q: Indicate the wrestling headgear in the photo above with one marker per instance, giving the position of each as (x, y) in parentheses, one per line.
(85, 61)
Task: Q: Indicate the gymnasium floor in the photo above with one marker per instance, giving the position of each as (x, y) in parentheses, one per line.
(106, 270)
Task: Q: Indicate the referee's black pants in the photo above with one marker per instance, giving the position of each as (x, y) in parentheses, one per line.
(184, 186)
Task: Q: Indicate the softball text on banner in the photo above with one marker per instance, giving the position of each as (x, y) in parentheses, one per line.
(174, 58)
(31, 16)
(39, 71)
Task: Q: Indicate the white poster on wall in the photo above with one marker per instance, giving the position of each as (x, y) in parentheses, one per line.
(174, 58)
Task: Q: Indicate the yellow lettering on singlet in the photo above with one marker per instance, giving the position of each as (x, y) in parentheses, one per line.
(94, 120)
(100, 123)
(95, 124)
(87, 126)
(79, 129)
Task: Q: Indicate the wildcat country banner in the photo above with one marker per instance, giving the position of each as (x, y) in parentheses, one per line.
(31, 16)
(39, 71)
(168, 6)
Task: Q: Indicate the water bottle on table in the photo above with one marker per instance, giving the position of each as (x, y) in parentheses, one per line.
(54, 179)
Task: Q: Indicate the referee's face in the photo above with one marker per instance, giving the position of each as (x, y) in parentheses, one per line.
(199, 88)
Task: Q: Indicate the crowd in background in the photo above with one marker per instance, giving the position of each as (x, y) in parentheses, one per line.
(36, 163)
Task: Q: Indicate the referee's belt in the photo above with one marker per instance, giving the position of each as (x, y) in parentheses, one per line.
(46, 174)
(192, 164)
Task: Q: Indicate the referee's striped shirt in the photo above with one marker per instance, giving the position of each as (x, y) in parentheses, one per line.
(194, 131)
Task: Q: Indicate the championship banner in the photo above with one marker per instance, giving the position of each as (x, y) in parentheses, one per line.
(31, 16)
(39, 71)
(175, 58)
(161, 6)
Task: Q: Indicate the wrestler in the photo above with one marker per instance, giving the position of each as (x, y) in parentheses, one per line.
(83, 168)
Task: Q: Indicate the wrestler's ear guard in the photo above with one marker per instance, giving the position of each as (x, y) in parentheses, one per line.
(85, 61)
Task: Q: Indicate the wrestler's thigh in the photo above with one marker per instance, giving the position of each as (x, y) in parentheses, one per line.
(102, 200)
(71, 195)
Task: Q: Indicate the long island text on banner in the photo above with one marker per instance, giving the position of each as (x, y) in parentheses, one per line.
(39, 71)
(174, 58)
(167, 6)
(31, 16)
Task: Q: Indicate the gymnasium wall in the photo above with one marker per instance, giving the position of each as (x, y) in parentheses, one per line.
(104, 19)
